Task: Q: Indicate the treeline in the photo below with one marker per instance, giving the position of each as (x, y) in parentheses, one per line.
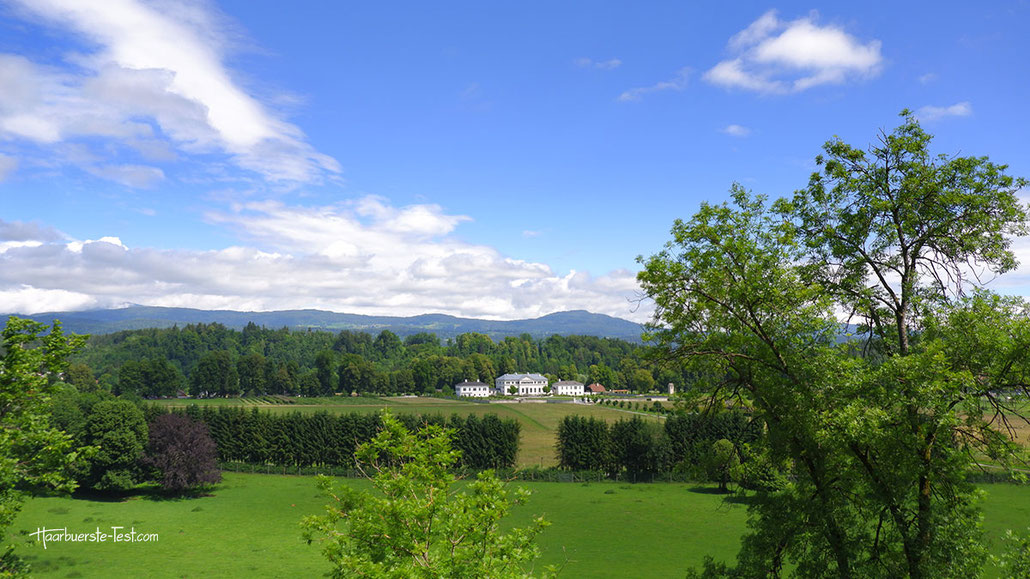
(133, 442)
(212, 360)
(329, 440)
(639, 448)
(129, 445)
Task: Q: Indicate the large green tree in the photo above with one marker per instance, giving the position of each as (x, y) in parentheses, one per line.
(881, 429)
(215, 374)
(417, 523)
(118, 430)
(81, 376)
(252, 370)
(33, 453)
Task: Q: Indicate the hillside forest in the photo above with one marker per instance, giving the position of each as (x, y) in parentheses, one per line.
(207, 360)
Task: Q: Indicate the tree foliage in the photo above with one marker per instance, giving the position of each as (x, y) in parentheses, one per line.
(321, 439)
(584, 443)
(217, 361)
(638, 449)
(417, 523)
(118, 430)
(150, 377)
(881, 430)
(721, 461)
(1015, 559)
(215, 374)
(182, 450)
(33, 453)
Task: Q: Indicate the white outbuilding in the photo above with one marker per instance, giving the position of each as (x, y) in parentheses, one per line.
(567, 388)
(472, 389)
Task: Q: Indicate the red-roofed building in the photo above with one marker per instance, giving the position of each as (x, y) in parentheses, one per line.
(595, 388)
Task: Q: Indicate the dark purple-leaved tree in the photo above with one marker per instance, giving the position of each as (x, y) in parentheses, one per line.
(183, 450)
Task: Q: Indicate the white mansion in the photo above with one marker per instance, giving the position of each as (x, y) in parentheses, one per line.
(526, 384)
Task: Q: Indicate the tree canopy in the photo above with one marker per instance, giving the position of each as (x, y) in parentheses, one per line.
(33, 453)
(417, 524)
(182, 449)
(118, 430)
(213, 360)
(883, 427)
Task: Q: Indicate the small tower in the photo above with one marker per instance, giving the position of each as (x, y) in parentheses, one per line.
(672, 389)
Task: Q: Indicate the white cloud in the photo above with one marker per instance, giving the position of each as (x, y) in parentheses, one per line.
(29, 300)
(756, 32)
(736, 131)
(364, 256)
(80, 246)
(773, 56)
(732, 73)
(153, 66)
(927, 78)
(676, 83)
(930, 113)
(610, 64)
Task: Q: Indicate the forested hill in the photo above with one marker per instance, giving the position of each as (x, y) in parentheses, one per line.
(213, 360)
(578, 322)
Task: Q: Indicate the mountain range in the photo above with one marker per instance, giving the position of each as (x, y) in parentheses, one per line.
(577, 322)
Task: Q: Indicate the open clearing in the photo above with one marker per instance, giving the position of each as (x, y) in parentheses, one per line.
(249, 526)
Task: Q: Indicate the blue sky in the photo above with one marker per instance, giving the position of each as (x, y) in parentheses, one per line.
(483, 159)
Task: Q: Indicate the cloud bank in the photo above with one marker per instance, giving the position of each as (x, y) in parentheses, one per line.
(152, 78)
(364, 256)
(774, 56)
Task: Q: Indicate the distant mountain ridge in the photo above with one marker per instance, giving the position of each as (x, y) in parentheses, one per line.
(576, 322)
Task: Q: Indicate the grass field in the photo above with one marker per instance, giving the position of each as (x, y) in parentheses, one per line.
(539, 420)
(249, 527)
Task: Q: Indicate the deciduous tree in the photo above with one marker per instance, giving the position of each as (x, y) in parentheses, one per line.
(215, 374)
(183, 451)
(721, 460)
(33, 454)
(881, 431)
(119, 432)
(81, 376)
(417, 524)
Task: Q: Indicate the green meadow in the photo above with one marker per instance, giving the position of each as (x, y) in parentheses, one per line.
(248, 526)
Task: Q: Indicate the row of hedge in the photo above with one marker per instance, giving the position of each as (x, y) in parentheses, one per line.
(321, 439)
(641, 449)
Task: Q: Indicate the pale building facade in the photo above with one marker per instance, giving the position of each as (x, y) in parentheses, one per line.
(567, 388)
(473, 389)
(526, 384)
